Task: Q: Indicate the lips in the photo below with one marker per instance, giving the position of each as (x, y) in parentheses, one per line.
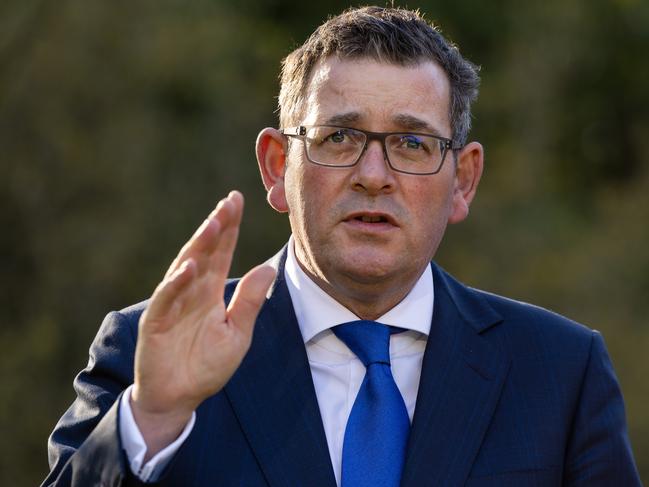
(371, 218)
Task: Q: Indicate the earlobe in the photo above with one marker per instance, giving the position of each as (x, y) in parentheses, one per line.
(468, 171)
(271, 156)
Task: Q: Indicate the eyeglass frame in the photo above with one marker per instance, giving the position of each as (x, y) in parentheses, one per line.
(300, 131)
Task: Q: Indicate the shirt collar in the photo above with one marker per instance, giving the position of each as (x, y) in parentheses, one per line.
(316, 311)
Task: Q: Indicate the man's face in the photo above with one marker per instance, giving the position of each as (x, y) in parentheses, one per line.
(363, 229)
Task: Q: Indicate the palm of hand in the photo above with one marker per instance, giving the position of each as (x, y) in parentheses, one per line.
(189, 343)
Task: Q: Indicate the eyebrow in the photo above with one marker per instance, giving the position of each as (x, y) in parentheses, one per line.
(407, 122)
(415, 124)
(343, 118)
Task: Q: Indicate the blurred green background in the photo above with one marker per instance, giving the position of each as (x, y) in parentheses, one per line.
(122, 123)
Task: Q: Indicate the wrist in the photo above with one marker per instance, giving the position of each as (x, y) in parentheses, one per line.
(159, 428)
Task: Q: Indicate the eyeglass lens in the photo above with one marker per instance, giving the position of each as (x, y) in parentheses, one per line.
(335, 146)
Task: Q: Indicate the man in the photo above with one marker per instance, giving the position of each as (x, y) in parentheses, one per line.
(371, 164)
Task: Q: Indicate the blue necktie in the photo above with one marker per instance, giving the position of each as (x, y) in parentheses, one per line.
(378, 426)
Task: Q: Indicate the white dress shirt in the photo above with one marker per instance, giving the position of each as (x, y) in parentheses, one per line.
(337, 373)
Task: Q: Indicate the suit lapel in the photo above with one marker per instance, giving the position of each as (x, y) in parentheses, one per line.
(273, 397)
(461, 381)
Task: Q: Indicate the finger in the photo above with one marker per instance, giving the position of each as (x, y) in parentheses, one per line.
(169, 291)
(226, 215)
(221, 255)
(203, 238)
(249, 296)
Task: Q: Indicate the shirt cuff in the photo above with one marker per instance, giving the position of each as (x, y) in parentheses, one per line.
(135, 447)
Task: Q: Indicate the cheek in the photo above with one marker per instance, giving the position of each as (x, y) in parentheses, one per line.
(433, 209)
(429, 233)
(310, 188)
(432, 199)
(302, 196)
(293, 181)
(296, 206)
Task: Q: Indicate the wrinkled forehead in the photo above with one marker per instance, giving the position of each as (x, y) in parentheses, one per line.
(378, 95)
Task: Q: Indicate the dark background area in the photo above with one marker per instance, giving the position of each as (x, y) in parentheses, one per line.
(122, 123)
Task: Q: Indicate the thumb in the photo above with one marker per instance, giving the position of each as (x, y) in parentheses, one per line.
(249, 296)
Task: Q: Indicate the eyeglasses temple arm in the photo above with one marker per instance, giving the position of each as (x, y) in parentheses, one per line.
(294, 130)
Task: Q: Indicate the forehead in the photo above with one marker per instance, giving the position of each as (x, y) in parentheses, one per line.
(378, 96)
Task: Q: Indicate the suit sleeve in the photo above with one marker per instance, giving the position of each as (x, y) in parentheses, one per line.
(85, 447)
(599, 451)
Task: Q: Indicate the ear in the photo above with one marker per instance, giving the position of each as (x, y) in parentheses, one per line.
(271, 156)
(468, 170)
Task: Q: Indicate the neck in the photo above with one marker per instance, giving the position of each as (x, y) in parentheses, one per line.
(367, 300)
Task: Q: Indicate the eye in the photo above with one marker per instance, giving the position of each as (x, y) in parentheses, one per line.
(338, 137)
(412, 142)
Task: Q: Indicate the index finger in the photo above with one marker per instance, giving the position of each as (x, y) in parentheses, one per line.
(205, 240)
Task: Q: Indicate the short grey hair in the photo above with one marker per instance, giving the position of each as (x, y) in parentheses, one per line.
(390, 35)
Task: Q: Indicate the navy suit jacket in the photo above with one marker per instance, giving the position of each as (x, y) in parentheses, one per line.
(510, 395)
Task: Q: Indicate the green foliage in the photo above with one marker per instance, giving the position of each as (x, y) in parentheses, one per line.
(122, 123)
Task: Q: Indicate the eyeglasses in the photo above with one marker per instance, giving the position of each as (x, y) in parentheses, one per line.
(410, 153)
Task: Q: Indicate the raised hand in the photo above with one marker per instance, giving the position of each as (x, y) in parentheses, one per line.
(189, 344)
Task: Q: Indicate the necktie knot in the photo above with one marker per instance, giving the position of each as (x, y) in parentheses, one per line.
(369, 340)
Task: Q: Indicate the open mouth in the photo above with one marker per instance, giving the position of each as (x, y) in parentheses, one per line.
(379, 219)
(371, 219)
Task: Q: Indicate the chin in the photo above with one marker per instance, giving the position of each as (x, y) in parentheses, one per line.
(367, 270)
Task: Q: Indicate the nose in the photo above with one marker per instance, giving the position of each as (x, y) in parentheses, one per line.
(372, 174)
